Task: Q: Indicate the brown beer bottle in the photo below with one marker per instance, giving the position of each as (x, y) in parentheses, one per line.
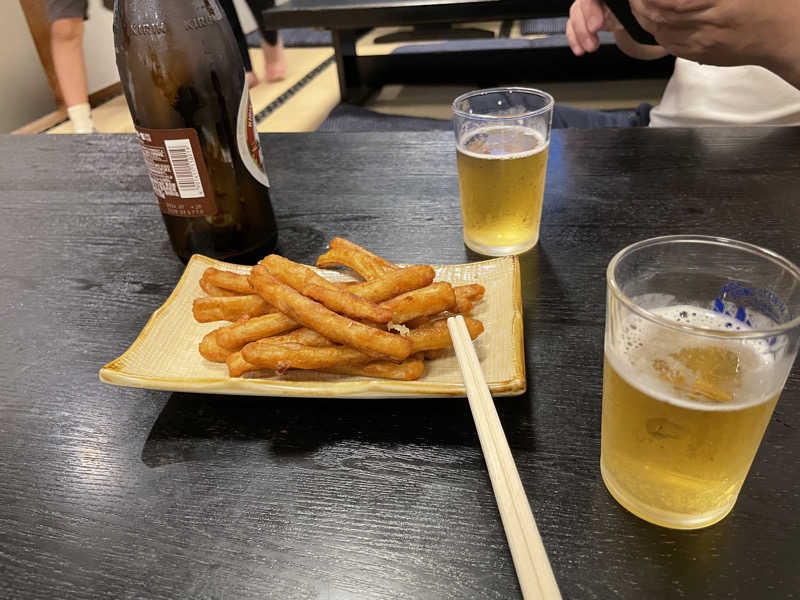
(185, 84)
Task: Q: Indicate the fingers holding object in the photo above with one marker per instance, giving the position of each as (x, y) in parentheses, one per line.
(583, 36)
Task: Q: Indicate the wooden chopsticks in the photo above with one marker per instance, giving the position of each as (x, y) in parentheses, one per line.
(530, 559)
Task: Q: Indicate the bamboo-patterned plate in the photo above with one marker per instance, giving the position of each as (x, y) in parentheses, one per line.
(165, 355)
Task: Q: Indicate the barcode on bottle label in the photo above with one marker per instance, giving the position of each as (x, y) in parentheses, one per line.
(178, 171)
(184, 167)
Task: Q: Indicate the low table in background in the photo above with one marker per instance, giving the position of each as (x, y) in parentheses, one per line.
(477, 62)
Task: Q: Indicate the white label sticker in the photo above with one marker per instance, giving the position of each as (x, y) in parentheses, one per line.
(247, 139)
(187, 177)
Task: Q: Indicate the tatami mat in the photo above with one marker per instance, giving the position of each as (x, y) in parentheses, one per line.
(110, 117)
(113, 116)
(309, 107)
(300, 61)
(310, 90)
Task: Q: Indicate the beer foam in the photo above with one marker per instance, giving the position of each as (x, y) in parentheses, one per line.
(643, 343)
(493, 143)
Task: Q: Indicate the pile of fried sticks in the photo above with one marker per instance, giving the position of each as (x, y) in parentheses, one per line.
(287, 316)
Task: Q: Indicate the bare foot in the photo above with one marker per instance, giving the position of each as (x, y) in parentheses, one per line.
(251, 78)
(274, 61)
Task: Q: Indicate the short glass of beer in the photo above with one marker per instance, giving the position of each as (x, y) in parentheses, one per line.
(701, 333)
(502, 137)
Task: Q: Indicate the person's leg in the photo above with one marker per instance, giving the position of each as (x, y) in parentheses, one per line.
(66, 39)
(568, 117)
(67, 46)
(274, 58)
(643, 114)
(241, 40)
(271, 45)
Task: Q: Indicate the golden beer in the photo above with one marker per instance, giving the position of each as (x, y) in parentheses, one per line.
(501, 178)
(682, 418)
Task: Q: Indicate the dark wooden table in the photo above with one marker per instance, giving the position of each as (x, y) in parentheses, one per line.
(109, 492)
(481, 64)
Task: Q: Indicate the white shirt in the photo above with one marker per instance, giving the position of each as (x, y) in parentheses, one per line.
(698, 95)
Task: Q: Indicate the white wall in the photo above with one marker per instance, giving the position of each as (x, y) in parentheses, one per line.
(245, 16)
(98, 47)
(24, 94)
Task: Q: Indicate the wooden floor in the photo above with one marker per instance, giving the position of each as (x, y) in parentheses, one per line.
(310, 90)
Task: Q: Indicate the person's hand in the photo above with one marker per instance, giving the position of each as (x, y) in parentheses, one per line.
(704, 30)
(586, 19)
(726, 32)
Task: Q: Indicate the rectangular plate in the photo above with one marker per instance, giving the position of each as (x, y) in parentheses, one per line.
(165, 355)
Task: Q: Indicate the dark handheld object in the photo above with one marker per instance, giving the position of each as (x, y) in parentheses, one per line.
(622, 10)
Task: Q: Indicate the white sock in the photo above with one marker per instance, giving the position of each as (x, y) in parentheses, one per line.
(81, 117)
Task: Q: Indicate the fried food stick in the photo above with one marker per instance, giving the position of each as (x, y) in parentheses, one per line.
(345, 253)
(370, 266)
(409, 369)
(265, 354)
(272, 354)
(304, 335)
(305, 281)
(211, 350)
(473, 291)
(435, 335)
(394, 283)
(465, 295)
(233, 337)
(432, 336)
(348, 304)
(335, 327)
(389, 285)
(227, 280)
(423, 302)
(229, 308)
(237, 365)
(212, 290)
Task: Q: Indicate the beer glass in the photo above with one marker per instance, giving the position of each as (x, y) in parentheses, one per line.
(502, 137)
(701, 333)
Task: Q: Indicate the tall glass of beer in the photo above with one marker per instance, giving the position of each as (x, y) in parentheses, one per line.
(502, 137)
(701, 333)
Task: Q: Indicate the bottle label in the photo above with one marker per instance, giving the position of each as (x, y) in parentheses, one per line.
(177, 171)
(247, 139)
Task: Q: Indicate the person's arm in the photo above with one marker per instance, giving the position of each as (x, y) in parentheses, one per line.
(728, 32)
(636, 50)
(588, 17)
